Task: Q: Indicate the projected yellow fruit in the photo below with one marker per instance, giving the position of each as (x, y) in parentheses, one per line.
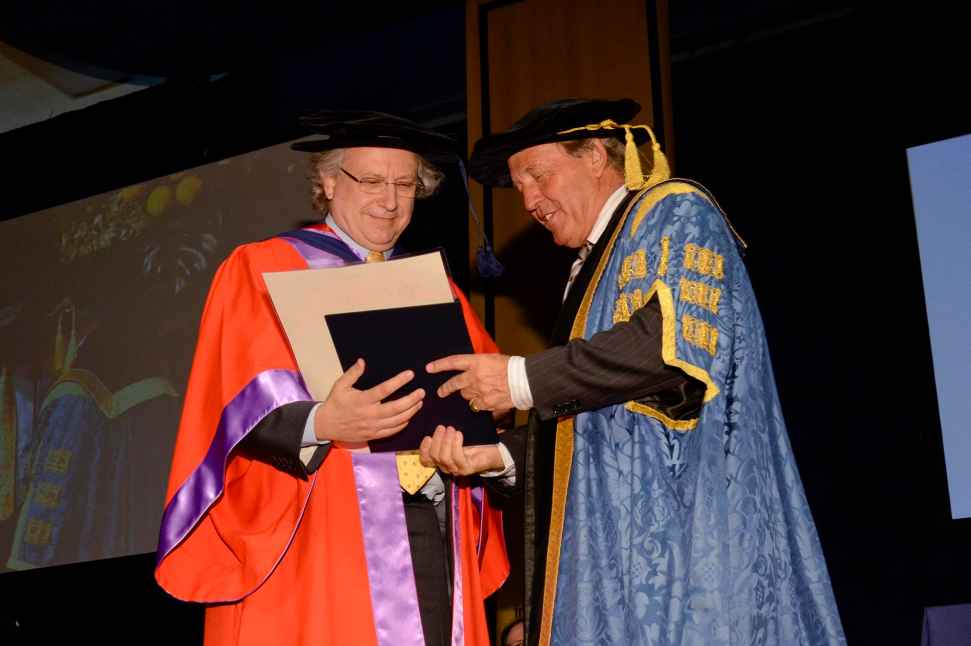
(188, 189)
(129, 193)
(158, 200)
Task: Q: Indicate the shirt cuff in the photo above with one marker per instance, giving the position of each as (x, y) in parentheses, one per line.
(310, 431)
(519, 392)
(508, 470)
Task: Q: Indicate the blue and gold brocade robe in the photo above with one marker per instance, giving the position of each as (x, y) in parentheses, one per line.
(683, 532)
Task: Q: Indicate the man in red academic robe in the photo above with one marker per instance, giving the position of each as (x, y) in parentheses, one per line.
(275, 516)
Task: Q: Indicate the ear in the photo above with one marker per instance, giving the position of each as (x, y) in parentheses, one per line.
(597, 157)
(329, 182)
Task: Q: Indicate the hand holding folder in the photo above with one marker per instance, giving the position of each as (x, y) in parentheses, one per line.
(380, 312)
(407, 338)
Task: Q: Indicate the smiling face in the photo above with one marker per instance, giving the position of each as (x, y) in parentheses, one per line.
(373, 221)
(563, 192)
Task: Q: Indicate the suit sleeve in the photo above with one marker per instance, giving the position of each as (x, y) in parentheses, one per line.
(277, 439)
(515, 442)
(617, 365)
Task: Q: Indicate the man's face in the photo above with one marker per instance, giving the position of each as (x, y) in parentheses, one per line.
(559, 190)
(373, 221)
(515, 636)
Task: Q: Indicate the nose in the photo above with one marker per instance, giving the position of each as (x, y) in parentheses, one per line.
(532, 197)
(390, 199)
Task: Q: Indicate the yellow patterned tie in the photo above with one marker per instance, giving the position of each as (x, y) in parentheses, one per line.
(374, 256)
(412, 474)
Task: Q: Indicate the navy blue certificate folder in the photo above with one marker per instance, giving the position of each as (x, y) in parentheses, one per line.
(396, 339)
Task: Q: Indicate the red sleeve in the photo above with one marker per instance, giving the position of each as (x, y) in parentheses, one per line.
(221, 532)
(481, 341)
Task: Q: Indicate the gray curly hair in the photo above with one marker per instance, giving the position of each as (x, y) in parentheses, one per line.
(614, 147)
(328, 163)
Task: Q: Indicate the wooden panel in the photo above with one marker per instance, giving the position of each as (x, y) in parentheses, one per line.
(520, 55)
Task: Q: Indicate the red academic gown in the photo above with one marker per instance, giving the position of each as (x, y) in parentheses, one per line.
(282, 560)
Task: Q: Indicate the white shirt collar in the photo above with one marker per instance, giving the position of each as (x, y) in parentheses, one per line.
(359, 251)
(606, 211)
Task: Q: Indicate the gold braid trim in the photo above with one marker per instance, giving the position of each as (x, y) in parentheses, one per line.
(667, 189)
(669, 338)
(562, 464)
(563, 457)
(633, 175)
(76, 381)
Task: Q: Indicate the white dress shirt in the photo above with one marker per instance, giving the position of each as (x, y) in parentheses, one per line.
(519, 392)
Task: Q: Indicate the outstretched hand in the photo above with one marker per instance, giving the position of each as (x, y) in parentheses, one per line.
(350, 415)
(483, 379)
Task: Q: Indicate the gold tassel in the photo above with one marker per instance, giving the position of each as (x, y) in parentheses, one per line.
(633, 175)
(71, 353)
(660, 169)
(59, 346)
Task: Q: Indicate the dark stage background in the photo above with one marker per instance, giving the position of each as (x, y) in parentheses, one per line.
(796, 115)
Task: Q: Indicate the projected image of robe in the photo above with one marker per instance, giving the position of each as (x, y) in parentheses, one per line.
(124, 274)
(91, 468)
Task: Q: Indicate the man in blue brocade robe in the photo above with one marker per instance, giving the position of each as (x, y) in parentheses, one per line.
(87, 470)
(668, 506)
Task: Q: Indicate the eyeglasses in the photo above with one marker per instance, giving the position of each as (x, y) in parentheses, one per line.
(376, 186)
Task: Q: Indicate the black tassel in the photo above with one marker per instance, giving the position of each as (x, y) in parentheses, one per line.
(486, 262)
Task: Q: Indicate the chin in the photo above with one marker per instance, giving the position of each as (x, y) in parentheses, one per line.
(564, 242)
(382, 240)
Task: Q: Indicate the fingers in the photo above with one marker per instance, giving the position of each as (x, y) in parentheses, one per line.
(457, 453)
(388, 432)
(425, 452)
(452, 362)
(351, 375)
(401, 419)
(431, 448)
(444, 449)
(395, 406)
(458, 382)
(385, 388)
(441, 449)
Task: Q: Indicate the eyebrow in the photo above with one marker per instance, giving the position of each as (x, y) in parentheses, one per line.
(531, 168)
(538, 167)
(405, 177)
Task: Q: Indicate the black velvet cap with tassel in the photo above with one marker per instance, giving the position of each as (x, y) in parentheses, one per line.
(568, 120)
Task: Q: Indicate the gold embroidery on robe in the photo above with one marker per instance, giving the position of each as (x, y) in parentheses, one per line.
(703, 261)
(634, 266)
(48, 495)
(39, 532)
(700, 294)
(699, 333)
(58, 460)
(662, 268)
